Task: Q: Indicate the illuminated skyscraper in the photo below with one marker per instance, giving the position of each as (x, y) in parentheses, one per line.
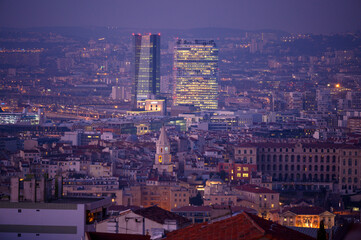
(196, 74)
(146, 66)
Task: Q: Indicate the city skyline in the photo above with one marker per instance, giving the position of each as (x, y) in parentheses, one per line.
(201, 130)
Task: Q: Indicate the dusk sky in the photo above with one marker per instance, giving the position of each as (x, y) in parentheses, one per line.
(312, 16)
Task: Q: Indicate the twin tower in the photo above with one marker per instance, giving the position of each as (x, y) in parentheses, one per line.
(195, 73)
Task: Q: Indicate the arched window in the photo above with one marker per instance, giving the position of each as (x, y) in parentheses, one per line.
(160, 159)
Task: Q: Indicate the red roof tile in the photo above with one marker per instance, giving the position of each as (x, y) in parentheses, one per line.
(242, 226)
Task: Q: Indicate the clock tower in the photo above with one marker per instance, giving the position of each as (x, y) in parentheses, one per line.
(163, 158)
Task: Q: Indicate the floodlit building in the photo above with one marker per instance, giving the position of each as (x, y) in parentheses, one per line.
(307, 217)
(196, 74)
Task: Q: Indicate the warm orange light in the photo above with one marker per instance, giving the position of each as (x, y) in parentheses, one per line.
(337, 85)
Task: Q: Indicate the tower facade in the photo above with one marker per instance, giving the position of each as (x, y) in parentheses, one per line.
(196, 74)
(146, 66)
(163, 158)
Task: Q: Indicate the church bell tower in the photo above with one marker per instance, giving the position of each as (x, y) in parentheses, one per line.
(163, 158)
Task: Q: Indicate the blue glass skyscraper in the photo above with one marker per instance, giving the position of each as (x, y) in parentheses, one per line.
(146, 66)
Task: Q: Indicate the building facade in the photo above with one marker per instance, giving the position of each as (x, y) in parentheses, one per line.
(307, 217)
(308, 166)
(196, 74)
(146, 66)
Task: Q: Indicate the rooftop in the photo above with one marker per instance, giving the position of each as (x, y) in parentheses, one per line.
(254, 189)
(241, 226)
(160, 215)
(304, 210)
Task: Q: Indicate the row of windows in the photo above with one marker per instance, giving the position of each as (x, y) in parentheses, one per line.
(350, 153)
(291, 158)
(298, 168)
(245, 151)
(305, 178)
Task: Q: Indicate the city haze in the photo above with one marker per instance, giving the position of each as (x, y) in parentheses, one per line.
(308, 16)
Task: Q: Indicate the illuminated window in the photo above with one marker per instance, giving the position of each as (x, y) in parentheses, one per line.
(160, 159)
(245, 175)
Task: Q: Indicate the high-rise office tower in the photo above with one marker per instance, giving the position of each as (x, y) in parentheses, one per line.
(146, 66)
(196, 74)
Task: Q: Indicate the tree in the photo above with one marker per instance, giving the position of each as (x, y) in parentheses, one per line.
(321, 232)
(197, 200)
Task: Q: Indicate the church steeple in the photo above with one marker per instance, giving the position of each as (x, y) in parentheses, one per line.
(163, 138)
(163, 157)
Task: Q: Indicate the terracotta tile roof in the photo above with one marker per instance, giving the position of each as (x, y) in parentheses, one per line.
(115, 236)
(304, 210)
(254, 189)
(159, 215)
(242, 226)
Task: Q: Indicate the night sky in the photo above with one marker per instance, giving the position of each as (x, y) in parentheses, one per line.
(306, 16)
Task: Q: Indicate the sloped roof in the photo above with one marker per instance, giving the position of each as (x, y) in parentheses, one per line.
(159, 215)
(241, 226)
(304, 210)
